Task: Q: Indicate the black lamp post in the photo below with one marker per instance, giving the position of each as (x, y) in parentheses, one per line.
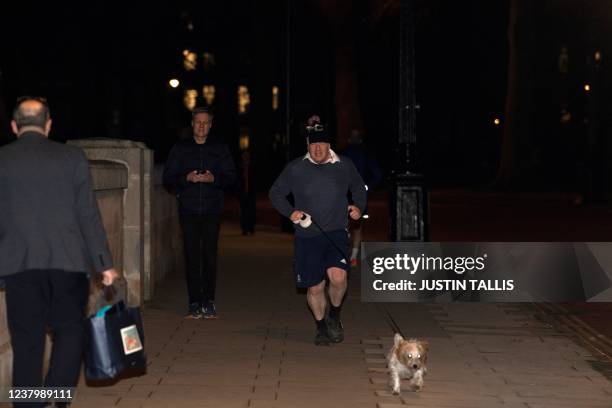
(408, 198)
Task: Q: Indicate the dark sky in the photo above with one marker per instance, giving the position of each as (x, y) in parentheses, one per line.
(105, 65)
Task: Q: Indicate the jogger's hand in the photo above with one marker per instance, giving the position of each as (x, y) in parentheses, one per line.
(296, 216)
(354, 212)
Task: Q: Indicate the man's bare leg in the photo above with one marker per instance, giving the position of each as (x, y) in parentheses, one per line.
(337, 285)
(316, 300)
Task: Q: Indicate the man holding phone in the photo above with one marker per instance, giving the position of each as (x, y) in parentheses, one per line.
(198, 170)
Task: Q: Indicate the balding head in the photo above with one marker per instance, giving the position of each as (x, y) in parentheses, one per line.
(31, 114)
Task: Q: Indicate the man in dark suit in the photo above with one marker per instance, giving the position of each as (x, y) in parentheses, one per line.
(51, 238)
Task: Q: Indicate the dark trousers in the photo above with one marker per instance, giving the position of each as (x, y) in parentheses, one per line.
(200, 239)
(35, 300)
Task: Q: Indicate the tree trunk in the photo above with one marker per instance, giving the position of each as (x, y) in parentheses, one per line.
(348, 112)
(341, 15)
(507, 162)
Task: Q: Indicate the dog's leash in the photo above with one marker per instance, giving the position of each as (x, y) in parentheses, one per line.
(391, 321)
(325, 234)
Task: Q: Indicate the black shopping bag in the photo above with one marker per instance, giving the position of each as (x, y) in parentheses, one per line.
(115, 343)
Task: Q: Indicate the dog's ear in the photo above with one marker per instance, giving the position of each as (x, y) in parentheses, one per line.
(424, 344)
(397, 339)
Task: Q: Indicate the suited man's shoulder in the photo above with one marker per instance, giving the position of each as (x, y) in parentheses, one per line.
(51, 151)
(71, 151)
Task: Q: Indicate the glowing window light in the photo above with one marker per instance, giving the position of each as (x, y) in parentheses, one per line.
(275, 97)
(174, 83)
(244, 99)
(190, 60)
(245, 140)
(190, 98)
(209, 94)
(597, 56)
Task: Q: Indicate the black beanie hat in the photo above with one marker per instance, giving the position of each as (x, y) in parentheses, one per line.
(317, 134)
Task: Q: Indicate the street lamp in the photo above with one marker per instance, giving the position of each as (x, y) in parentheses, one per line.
(408, 198)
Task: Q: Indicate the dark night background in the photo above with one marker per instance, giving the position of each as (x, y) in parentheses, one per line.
(105, 67)
(542, 173)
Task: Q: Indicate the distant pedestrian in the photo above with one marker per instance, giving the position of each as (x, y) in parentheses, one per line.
(369, 170)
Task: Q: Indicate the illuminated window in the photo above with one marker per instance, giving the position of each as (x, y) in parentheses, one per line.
(244, 99)
(274, 97)
(190, 60)
(244, 141)
(190, 98)
(209, 61)
(209, 94)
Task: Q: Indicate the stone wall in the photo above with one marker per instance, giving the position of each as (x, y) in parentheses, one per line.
(167, 242)
(138, 160)
(6, 355)
(110, 183)
(152, 244)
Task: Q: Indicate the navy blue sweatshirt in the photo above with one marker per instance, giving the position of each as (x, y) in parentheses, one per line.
(319, 190)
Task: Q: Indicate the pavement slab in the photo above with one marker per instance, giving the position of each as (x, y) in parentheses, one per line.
(259, 353)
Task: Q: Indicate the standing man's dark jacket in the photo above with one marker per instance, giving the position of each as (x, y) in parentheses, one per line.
(49, 217)
(199, 198)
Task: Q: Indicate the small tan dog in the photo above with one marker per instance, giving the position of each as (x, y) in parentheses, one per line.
(406, 360)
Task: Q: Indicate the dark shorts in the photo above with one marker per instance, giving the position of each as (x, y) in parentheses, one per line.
(313, 256)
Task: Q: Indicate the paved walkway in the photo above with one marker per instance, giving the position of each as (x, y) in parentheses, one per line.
(260, 352)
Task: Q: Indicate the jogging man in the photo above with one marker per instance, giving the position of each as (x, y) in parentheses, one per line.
(319, 182)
